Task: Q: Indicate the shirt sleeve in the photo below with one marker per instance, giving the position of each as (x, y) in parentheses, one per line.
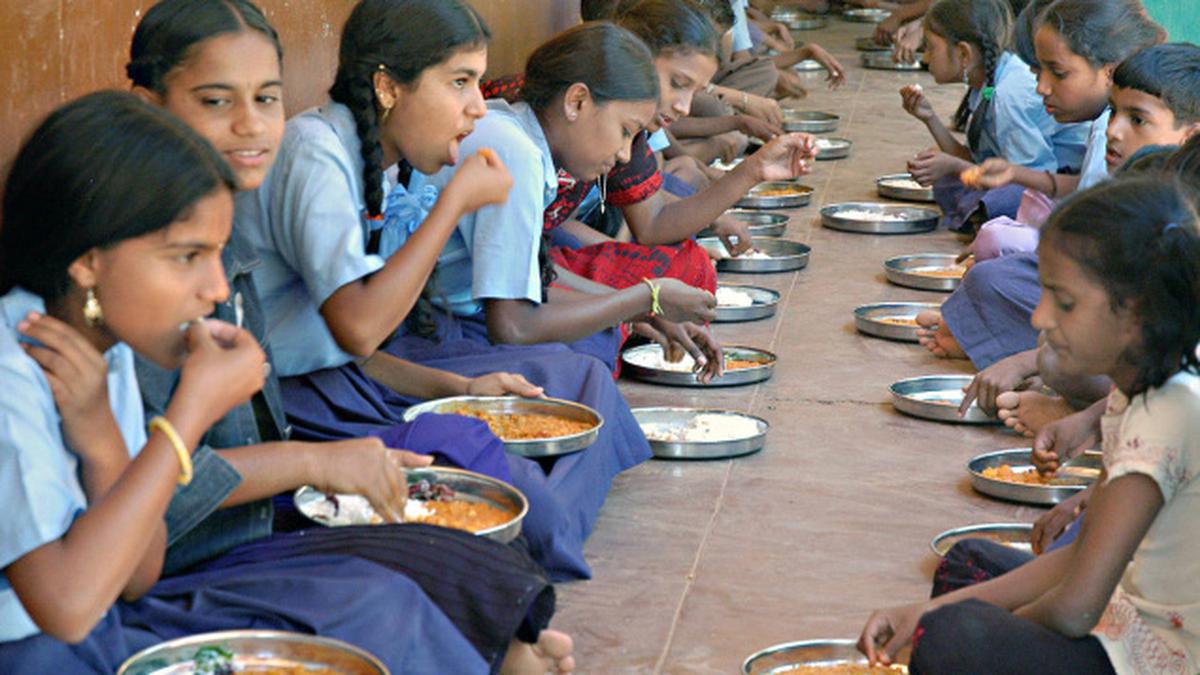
(38, 489)
(1154, 436)
(315, 220)
(503, 240)
(638, 179)
(1023, 128)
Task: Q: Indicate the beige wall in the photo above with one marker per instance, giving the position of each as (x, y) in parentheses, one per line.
(55, 50)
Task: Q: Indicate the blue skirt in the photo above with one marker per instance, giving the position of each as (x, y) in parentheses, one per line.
(958, 202)
(575, 484)
(990, 313)
(341, 597)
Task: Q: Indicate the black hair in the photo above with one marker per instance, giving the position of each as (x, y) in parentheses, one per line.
(99, 170)
(613, 63)
(1136, 236)
(719, 11)
(1185, 163)
(1103, 31)
(670, 26)
(401, 38)
(1170, 73)
(597, 10)
(1147, 159)
(166, 34)
(1024, 26)
(984, 24)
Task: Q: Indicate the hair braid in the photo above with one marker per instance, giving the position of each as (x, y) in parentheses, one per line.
(359, 96)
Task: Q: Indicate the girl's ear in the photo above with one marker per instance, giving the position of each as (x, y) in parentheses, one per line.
(386, 90)
(148, 95)
(1108, 69)
(575, 99)
(1190, 130)
(83, 270)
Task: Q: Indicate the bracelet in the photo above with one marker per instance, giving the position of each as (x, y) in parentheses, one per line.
(1053, 184)
(164, 425)
(710, 88)
(745, 101)
(655, 308)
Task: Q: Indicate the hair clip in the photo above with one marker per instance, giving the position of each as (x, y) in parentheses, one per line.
(987, 93)
(1170, 226)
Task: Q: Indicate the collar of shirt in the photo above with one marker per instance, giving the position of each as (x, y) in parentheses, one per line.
(527, 119)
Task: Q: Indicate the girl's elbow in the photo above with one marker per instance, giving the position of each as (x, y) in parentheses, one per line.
(69, 622)
(507, 332)
(355, 342)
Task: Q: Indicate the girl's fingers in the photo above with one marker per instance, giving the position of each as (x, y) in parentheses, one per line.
(53, 362)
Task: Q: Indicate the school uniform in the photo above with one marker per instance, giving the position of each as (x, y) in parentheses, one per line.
(311, 205)
(1150, 623)
(332, 595)
(990, 313)
(1011, 122)
(490, 592)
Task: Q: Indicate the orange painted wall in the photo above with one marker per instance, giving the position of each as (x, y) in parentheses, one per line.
(55, 50)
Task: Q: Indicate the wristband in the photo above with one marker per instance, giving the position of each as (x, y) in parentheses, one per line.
(164, 425)
(655, 308)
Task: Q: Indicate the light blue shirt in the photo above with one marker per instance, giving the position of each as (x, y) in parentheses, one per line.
(493, 253)
(1026, 134)
(39, 487)
(308, 226)
(741, 27)
(1095, 169)
(659, 141)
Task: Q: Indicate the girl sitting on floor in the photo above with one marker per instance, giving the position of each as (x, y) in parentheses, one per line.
(217, 67)
(1120, 265)
(115, 214)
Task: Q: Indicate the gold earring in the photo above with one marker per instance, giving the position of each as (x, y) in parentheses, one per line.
(93, 314)
(384, 115)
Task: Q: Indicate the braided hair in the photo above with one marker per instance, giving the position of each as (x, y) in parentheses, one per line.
(984, 24)
(401, 38)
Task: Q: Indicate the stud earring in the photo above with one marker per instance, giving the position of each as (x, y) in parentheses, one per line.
(93, 314)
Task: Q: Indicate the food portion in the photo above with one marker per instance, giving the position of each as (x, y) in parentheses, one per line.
(940, 272)
(906, 321)
(776, 191)
(1026, 475)
(428, 503)
(872, 216)
(732, 297)
(525, 426)
(703, 428)
(903, 184)
(215, 660)
(838, 669)
(654, 359)
(827, 144)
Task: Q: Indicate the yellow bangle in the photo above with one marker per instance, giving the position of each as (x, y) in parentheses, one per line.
(185, 458)
(655, 308)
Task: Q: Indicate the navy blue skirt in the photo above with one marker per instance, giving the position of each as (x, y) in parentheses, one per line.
(341, 597)
(990, 313)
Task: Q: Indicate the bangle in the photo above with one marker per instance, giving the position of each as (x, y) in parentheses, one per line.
(710, 88)
(655, 308)
(1053, 184)
(164, 425)
(745, 101)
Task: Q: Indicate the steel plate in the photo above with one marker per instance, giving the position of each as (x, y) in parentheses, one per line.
(516, 405)
(1014, 535)
(883, 61)
(810, 121)
(664, 449)
(916, 219)
(799, 195)
(887, 187)
(653, 352)
(766, 301)
(937, 397)
(866, 15)
(869, 319)
(779, 659)
(786, 256)
(905, 270)
(833, 148)
(762, 223)
(254, 648)
(1074, 476)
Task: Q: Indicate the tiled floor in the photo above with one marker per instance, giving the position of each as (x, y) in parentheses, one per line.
(698, 565)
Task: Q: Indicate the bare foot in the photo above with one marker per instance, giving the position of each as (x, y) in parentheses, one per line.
(1028, 412)
(936, 337)
(551, 654)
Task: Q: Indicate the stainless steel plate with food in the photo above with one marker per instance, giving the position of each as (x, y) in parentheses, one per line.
(779, 194)
(1010, 475)
(762, 223)
(810, 121)
(253, 651)
(767, 255)
(883, 61)
(701, 433)
(738, 302)
(801, 22)
(833, 148)
(926, 271)
(743, 365)
(530, 427)
(808, 66)
(866, 15)
(444, 496)
(891, 320)
(937, 397)
(810, 657)
(876, 218)
(1015, 535)
(902, 186)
